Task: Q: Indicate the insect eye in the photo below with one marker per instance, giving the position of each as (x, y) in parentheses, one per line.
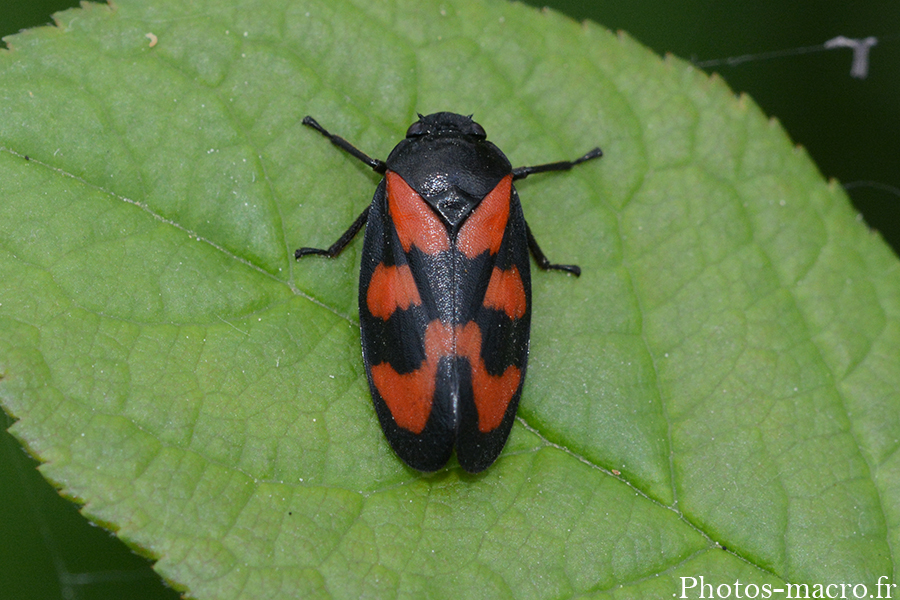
(416, 129)
(477, 131)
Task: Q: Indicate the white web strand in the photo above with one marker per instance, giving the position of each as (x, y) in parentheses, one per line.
(858, 69)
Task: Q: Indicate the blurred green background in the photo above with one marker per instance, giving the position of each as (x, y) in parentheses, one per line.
(851, 127)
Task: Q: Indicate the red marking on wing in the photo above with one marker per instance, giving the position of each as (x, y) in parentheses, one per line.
(506, 292)
(409, 396)
(483, 229)
(415, 222)
(493, 393)
(389, 289)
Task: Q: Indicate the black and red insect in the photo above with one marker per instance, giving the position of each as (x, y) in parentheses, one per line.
(445, 290)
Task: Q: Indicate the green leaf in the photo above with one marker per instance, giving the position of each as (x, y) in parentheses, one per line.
(725, 372)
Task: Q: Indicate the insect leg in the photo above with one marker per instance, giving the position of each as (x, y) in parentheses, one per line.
(542, 260)
(523, 172)
(342, 241)
(565, 165)
(377, 165)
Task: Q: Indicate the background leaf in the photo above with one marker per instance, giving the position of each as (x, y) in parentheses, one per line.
(731, 349)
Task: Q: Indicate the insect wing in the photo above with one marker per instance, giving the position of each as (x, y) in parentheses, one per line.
(401, 351)
(495, 338)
